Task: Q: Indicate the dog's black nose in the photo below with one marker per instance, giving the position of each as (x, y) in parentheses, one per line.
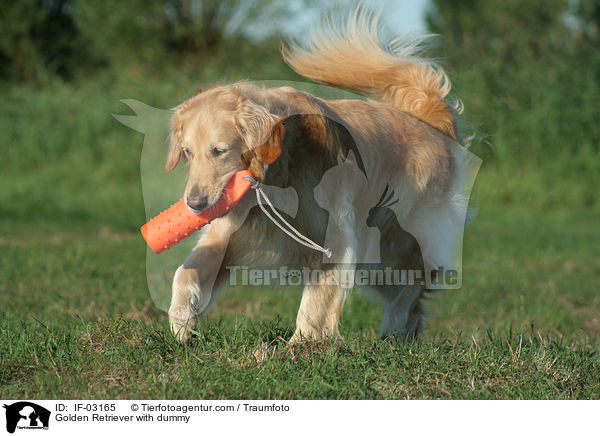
(197, 202)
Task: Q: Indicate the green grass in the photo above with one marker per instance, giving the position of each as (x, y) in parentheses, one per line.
(130, 359)
(77, 320)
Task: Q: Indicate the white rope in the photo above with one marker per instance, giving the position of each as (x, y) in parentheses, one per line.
(296, 235)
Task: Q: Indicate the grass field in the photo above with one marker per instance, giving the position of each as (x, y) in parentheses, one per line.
(77, 320)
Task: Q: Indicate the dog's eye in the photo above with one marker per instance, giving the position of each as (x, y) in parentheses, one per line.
(187, 152)
(217, 151)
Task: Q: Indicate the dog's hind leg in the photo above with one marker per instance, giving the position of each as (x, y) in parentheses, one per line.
(320, 310)
(404, 312)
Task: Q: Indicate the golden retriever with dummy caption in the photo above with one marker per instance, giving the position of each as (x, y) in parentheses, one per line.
(401, 140)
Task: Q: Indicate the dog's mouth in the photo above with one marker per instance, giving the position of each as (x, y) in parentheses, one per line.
(212, 199)
(207, 209)
(204, 209)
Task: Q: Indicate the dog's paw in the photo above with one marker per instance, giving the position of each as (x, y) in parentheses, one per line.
(181, 332)
(181, 325)
(296, 338)
(311, 335)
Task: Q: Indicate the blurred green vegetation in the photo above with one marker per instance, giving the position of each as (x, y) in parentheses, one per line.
(527, 72)
(67, 66)
(75, 40)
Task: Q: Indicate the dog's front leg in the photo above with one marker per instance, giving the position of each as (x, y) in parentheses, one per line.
(192, 288)
(194, 280)
(320, 310)
(193, 283)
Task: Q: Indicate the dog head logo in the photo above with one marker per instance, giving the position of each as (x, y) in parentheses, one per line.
(26, 415)
(373, 188)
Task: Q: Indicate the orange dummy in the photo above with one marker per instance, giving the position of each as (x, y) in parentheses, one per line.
(178, 222)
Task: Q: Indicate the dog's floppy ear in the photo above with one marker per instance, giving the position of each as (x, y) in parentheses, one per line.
(261, 130)
(175, 145)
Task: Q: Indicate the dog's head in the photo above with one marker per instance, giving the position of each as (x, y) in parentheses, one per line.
(218, 132)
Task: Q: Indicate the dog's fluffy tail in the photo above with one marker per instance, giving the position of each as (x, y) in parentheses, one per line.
(352, 56)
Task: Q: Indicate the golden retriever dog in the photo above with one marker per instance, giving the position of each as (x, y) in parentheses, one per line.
(400, 143)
